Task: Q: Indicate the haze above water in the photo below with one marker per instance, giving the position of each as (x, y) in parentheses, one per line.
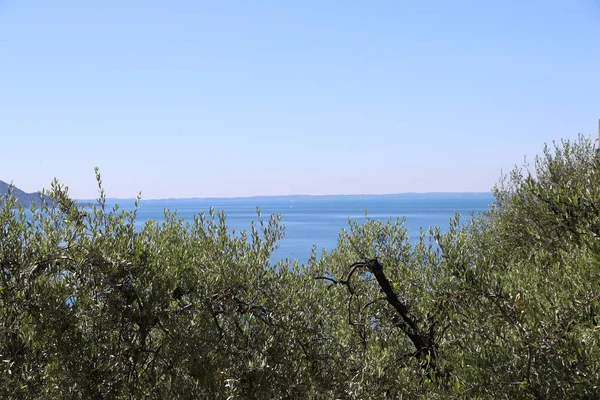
(318, 220)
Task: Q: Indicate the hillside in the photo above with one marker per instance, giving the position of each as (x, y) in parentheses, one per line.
(24, 198)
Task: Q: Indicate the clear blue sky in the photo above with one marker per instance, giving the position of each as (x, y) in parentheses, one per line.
(235, 98)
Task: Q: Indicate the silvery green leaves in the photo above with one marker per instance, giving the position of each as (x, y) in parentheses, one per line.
(502, 305)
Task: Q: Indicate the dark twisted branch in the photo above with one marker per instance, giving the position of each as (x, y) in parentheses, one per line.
(424, 341)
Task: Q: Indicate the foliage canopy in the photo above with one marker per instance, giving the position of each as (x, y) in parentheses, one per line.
(504, 304)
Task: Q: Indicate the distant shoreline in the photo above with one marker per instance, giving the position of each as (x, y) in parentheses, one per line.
(414, 195)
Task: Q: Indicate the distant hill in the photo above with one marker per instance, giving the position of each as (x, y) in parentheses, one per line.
(24, 198)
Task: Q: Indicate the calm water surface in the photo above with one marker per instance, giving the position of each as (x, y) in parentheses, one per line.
(318, 220)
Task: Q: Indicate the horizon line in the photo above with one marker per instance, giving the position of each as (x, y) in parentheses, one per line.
(291, 195)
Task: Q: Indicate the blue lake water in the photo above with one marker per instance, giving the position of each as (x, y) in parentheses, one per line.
(318, 220)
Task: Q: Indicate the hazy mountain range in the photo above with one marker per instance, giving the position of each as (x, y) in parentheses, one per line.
(24, 198)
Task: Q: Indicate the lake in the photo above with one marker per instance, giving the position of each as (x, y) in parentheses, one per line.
(319, 219)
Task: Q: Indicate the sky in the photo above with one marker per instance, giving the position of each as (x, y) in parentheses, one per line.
(241, 98)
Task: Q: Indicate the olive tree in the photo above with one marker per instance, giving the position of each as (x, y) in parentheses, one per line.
(504, 305)
(501, 305)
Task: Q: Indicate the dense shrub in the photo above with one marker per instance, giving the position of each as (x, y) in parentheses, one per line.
(503, 305)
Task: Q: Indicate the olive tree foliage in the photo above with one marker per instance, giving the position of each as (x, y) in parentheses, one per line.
(502, 305)
(533, 264)
(91, 307)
